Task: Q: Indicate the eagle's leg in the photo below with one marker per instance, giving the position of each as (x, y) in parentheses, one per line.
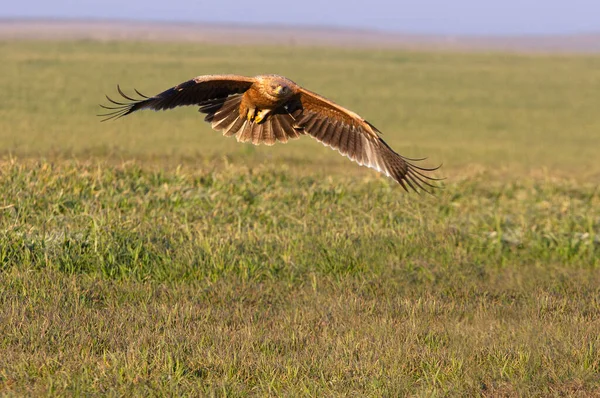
(257, 116)
(261, 115)
(250, 114)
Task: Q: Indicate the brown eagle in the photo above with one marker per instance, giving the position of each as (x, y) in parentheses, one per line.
(270, 108)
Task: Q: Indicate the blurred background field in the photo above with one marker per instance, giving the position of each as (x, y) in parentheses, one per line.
(151, 255)
(498, 111)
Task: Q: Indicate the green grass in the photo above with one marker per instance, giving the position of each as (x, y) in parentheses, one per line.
(151, 256)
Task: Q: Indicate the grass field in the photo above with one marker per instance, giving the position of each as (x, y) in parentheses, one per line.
(152, 256)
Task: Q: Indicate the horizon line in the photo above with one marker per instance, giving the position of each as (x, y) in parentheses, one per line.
(294, 26)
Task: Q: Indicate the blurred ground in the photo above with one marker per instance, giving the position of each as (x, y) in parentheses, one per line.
(249, 34)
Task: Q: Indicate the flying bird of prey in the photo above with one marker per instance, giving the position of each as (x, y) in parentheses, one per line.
(270, 108)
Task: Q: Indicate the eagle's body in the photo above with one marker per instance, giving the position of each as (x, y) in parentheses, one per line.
(270, 108)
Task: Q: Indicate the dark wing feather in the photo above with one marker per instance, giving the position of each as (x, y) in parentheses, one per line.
(354, 137)
(196, 91)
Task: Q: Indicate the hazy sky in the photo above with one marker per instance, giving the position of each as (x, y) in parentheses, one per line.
(413, 16)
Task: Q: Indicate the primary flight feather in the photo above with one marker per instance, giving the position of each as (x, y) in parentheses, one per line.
(270, 108)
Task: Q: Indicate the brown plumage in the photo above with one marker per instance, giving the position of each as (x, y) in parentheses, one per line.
(270, 108)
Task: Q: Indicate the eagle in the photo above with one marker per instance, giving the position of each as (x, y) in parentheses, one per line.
(268, 108)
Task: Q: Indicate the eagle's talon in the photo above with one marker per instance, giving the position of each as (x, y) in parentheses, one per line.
(251, 113)
(261, 115)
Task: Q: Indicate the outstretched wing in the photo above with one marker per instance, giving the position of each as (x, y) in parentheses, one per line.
(354, 137)
(192, 92)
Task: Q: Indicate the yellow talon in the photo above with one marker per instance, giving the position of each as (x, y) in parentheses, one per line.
(250, 114)
(261, 115)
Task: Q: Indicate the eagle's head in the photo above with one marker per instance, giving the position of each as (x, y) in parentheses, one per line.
(276, 86)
